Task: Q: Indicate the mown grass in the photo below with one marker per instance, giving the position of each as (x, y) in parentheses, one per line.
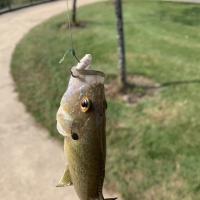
(154, 145)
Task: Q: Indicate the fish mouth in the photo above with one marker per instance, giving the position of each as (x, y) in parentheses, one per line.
(76, 72)
(83, 68)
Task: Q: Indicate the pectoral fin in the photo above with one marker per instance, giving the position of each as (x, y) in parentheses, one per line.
(65, 179)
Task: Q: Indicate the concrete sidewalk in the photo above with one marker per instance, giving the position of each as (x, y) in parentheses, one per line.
(31, 163)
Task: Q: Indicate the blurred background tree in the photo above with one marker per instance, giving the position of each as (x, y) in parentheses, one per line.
(121, 49)
(73, 21)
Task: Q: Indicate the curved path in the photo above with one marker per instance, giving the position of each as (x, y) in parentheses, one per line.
(31, 163)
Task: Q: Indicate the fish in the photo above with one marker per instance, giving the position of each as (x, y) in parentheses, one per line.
(81, 119)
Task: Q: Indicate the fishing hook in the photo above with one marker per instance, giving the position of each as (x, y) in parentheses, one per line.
(72, 73)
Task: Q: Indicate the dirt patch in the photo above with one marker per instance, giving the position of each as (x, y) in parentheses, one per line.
(78, 24)
(138, 87)
(113, 2)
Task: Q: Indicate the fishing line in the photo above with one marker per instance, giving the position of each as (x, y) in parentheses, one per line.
(71, 38)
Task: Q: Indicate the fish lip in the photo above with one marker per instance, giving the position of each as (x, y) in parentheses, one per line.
(87, 72)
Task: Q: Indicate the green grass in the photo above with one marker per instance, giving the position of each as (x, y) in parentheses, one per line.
(154, 145)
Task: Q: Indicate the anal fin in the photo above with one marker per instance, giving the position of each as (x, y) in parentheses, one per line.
(66, 179)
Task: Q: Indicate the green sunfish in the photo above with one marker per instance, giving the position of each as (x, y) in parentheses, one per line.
(81, 120)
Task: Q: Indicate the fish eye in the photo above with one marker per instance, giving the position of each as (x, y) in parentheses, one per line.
(85, 104)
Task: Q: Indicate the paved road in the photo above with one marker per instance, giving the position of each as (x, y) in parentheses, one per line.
(31, 163)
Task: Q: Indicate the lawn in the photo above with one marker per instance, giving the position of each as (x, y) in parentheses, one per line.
(153, 146)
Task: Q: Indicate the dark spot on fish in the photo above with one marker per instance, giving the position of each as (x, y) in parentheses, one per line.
(74, 136)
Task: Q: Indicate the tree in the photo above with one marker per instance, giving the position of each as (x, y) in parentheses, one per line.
(74, 13)
(121, 49)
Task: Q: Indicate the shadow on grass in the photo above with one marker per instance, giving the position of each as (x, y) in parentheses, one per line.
(172, 84)
(188, 16)
(83, 24)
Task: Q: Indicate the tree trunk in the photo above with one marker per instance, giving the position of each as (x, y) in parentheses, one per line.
(121, 49)
(74, 13)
